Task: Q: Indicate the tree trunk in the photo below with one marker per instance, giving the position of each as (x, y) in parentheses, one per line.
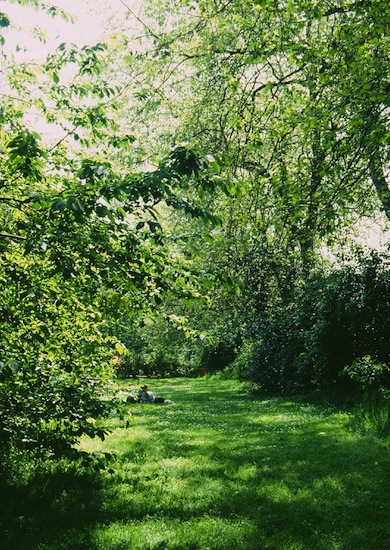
(379, 180)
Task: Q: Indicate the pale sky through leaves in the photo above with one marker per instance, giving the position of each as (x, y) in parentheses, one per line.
(33, 34)
(92, 18)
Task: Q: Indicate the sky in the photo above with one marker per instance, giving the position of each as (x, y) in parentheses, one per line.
(90, 21)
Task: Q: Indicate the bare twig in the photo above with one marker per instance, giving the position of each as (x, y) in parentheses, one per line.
(13, 237)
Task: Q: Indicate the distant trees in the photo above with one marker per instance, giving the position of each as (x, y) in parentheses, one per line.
(292, 99)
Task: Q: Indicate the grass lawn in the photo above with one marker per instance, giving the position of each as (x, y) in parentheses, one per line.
(218, 469)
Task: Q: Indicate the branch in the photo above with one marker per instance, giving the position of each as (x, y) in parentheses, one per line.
(58, 143)
(14, 237)
(8, 96)
(139, 20)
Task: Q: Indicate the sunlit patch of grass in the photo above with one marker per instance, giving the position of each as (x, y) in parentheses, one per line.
(202, 534)
(219, 468)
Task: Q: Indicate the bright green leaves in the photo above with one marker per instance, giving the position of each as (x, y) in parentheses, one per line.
(280, 77)
(124, 141)
(49, 384)
(368, 372)
(90, 171)
(51, 10)
(89, 241)
(26, 155)
(71, 204)
(54, 11)
(90, 61)
(79, 93)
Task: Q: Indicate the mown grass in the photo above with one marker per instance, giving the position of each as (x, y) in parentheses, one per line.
(218, 469)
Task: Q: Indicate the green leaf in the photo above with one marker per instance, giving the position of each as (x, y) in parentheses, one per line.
(14, 366)
(101, 210)
(121, 348)
(60, 205)
(4, 20)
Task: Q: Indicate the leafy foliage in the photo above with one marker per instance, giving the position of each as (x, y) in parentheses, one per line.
(368, 373)
(292, 101)
(83, 242)
(373, 379)
(119, 215)
(331, 321)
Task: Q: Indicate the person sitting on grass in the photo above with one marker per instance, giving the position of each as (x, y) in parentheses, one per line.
(144, 395)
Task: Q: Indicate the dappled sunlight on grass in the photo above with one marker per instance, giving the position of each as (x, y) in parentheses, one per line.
(277, 466)
(208, 532)
(220, 468)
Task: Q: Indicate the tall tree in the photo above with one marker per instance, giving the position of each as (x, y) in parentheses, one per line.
(82, 240)
(291, 98)
(293, 95)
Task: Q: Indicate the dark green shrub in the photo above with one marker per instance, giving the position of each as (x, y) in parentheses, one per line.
(351, 317)
(219, 356)
(331, 320)
(373, 380)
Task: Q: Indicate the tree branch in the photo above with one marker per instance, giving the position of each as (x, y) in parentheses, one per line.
(13, 237)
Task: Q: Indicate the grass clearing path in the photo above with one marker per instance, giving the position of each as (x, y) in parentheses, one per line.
(220, 469)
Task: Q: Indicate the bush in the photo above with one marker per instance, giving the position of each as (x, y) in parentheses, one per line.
(351, 315)
(373, 379)
(240, 368)
(48, 408)
(331, 319)
(218, 357)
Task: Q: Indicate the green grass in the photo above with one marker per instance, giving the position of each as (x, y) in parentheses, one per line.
(218, 469)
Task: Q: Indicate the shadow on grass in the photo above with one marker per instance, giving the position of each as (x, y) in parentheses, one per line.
(217, 469)
(41, 506)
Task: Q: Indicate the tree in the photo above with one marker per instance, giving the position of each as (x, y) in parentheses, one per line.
(82, 242)
(291, 98)
(294, 97)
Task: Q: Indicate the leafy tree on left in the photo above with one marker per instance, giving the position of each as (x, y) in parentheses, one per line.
(81, 241)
